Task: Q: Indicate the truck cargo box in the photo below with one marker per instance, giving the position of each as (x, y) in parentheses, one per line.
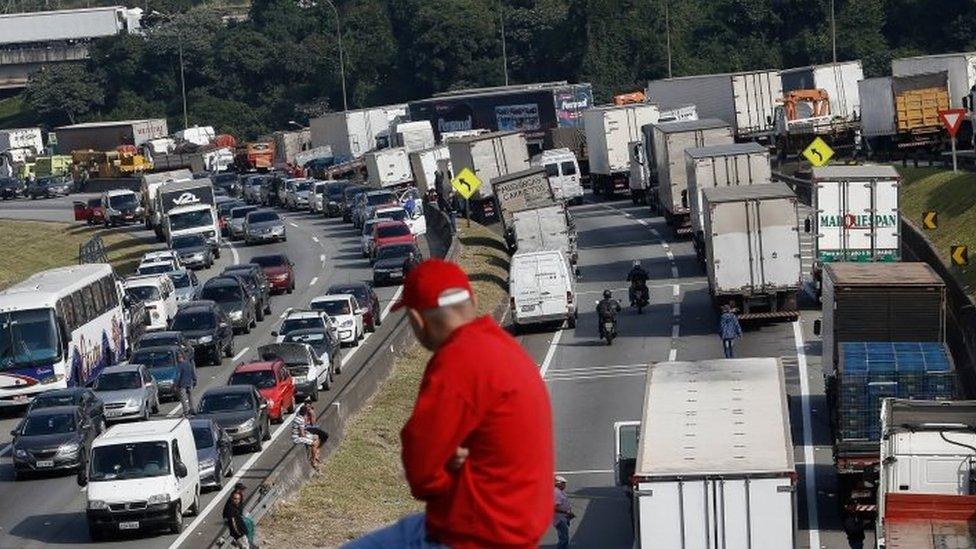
(877, 107)
(22, 138)
(671, 139)
(489, 156)
(839, 80)
(723, 166)
(960, 67)
(610, 131)
(524, 190)
(351, 134)
(545, 228)
(904, 108)
(388, 167)
(423, 164)
(106, 136)
(413, 136)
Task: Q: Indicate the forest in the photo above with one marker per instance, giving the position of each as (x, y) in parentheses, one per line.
(281, 63)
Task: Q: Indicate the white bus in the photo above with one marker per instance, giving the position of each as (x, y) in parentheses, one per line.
(58, 329)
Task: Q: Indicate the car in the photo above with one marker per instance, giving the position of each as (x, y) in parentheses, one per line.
(165, 338)
(308, 372)
(158, 294)
(240, 411)
(121, 206)
(155, 268)
(257, 283)
(230, 182)
(272, 380)
(236, 221)
(386, 233)
(56, 438)
(49, 187)
(365, 202)
(206, 328)
(223, 213)
(296, 319)
(325, 346)
(279, 270)
(186, 284)
(11, 187)
(264, 226)
(82, 398)
(333, 197)
(345, 313)
(215, 452)
(366, 240)
(193, 251)
(369, 212)
(230, 293)
(251, 188)
(285, 186)
(317, 198)
(91, 211)
(164, 364)
(388, 262)
(367, 299)
(349, 195)
(128, 391)
(298, 195)
(390, 212)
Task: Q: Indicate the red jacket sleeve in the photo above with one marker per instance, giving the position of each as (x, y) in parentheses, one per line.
(441, 419)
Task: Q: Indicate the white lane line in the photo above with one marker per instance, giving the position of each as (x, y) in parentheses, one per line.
(6, 450)
(675, 331)
(315, 239)
(240, 354)
(642, 222)
(608, 375)
(677, 290)
(293, 224)
(586, 472)
(322, 258)
(809, 469)
(233, 252)
(176, 411)
(313, 281)
(670, 255)
(673, 355)
(547, 361)
(674, 271)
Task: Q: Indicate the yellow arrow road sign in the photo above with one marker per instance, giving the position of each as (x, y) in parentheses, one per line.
(818, 152)
(466, 183)
(960, 255)
(930, 220)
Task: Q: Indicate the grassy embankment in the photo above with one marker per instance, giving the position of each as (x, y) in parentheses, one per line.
(27, 247)
(362, 485)
(953, 197)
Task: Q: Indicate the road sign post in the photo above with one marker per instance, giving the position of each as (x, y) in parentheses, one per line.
(952, 120)
(818, 153)
(466, 183)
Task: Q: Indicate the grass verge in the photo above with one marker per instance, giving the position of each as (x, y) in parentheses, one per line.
(31, 246)
(953, 197)
(362, 485)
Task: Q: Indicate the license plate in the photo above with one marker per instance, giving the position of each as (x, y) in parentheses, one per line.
(113, 413)
(45, 463)
(608, 325)
(20, 398)
(526, 308)
(132, 525)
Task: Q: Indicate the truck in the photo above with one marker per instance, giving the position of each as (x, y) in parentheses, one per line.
(107, 136)
(721, 166)
(388, 168)
(423, 165)
(22, 138)
(564, 174)
(574, 139)
(671, 139)
(818, 101)
(752, 250)
(855, 215)
(546, 228)
(57, 164)
(197, 135)
(517, 191)
(255, 155)
(68, 25)
(413, 136)
(902, 112)
(488, 156)
(961, 71)
(189, 207)
(351, 134)
(744, 100)
(936, 509)
(700, 476)
(151, 182)
(287, 144)
(610, 131)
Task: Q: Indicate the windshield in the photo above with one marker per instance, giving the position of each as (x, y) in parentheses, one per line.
(261, 217)
(332, 307)
(190, 220)
(157, 268)
(379, 198)
(180, 280)
(203, 437)
(262, 379)
(334, 190)
(226, 402)
(118, 381)
(359, 291)
(48, 425)
(129, 461)
(186, 322)
(303, 186)
(292, 324)
(315, 339)
(226, 207)
(143, 293)
(368, 227)
(28, 338)
(156, 340)
(270, 260)
(392, 215)
(222, 294)
(388, 231)
(392, 252)
(238, 213)
(319, 188)
(50, 401)
(189, 241)
(123, 201)
(152, 358)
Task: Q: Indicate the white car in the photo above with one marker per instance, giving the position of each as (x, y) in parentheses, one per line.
(317, 198)
(162, 255)
(345, 311)
(156, 267)
(302, 319)
(157, 293)
(367, 236)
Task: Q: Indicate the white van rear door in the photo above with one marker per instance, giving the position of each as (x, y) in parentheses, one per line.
(553, 284)
(525, 287)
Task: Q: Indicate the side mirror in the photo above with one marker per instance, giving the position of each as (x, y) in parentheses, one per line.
(263, 405)
(82, 477)
(148, 384)
(274, 333)
(13, 433)
(807, 225)
(224, 325)
(180, 469)
(817, 327)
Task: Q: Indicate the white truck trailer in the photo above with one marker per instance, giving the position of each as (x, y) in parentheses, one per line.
(413, 136)
(22, 138)
(546, 228)
(752, 249)
(517, 191)
(671, 139)
(351, 134)
(610, 130)
(744, 100)
(423, 165)
(839, 81)
(713, 467)
(388, 167)
(488, 155)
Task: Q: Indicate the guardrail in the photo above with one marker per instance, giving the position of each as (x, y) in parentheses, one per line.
(92, 251)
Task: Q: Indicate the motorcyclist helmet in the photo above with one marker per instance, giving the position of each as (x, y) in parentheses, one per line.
(606, 294)
(637, 263)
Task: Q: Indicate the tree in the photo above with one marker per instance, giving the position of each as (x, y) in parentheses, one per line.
(62, 93)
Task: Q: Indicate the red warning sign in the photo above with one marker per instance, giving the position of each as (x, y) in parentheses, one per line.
(952, 120)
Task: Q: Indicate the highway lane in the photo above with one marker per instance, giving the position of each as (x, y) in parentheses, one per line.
(48, 209)
(50, 511)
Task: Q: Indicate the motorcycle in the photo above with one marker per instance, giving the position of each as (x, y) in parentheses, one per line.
(641, 296)
(608, 328)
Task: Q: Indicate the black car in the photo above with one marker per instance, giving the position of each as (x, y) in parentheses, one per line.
(51, 439)
(230, 182)
(366, 297)
(193, 250)
(84, 398)
(388, 265)
(49, 187)
(10, 187)
(164, 338)
(232, 295)
(348, 197)
(215, 452)
(257, 282)
(332, 202)
(206, 328)
(240, 411)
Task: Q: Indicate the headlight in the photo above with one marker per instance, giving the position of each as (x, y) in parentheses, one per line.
(68, 448)
(52, 379)
(20, 453)
(158, 498)
(139, 210)
(205, 339)
(132, 403)
(207, 464)
(247, 425)
(347, 323)
(198, 256)
(311, 376)
(97, 504)
(236, 315)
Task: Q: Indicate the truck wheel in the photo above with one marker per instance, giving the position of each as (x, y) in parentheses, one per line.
(194, 509)
(260, 314)
(176, 521)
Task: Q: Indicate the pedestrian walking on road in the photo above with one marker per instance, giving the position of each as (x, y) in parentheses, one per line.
(563, 514)
(186, 380)
(853, 527)
(234, 518)
(478, 447)
(729, 329)
(454, 207)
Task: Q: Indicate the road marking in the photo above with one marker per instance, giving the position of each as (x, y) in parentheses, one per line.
(313, 281)
(176, 411)
(642, 222)
(315, 239)
(233, 252)
(677, 290)
(6, 450)
(595, 369)
(240, 354)
(550, 353)
(673, 355)
(322, 258)
(674, 271)
(293, 224)
(809, 469)
(675, 329)
(656, 233)
(586, 472)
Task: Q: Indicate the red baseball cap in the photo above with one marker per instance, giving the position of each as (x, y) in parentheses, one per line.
(434, 283)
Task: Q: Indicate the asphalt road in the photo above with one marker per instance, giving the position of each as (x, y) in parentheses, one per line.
(49, 512)
(50, 209)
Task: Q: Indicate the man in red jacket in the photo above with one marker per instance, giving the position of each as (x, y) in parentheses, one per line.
(478, 447)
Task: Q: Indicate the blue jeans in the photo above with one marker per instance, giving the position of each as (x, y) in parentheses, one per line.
(562, 533)
(727, 347)
(409, 532)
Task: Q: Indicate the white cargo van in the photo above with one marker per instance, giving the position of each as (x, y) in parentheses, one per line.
(563, 171)
(141, 476)
(543, 289)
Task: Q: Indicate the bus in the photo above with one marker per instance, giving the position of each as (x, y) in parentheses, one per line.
(58, 329)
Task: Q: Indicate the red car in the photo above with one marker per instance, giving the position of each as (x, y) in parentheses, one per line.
(273, 381)
(90, 212)
(391, 232)
(279, 270)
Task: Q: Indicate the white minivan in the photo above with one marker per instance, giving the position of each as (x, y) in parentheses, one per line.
(562, 168)
(157, 293)
(543, 289)
(141, 476)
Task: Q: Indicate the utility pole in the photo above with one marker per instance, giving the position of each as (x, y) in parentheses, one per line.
(342, 68)
(667, 32)
(186, 120)
(501, 18)
(833, 31)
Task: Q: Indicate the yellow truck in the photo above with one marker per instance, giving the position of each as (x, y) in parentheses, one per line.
(58, 164)
(108, 164)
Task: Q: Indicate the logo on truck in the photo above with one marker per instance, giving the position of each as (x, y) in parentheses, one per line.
(861, 222)
(186, 199)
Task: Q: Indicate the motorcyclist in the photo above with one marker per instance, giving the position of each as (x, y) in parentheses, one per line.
(607, 309)
(638, 279)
